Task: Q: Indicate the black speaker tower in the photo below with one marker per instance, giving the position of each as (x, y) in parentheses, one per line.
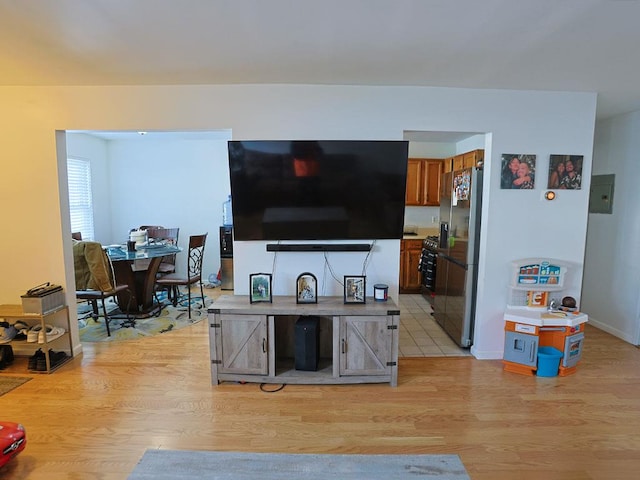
(307, 343)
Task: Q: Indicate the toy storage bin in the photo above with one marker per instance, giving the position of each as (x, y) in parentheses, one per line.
(548, 361)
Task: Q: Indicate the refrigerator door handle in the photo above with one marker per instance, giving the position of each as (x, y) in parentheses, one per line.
(444, 234)
(452, 260)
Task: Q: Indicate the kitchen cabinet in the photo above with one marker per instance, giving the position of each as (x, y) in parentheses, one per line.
(423, 181)
(255, 342)
(447, 165)
(471, 159)
(467, 160)
(410, 275)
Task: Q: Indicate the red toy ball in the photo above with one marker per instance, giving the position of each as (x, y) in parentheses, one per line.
(13, 440)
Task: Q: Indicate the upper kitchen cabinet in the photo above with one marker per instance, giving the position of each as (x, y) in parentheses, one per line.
(423, 182)
(473, 158)
(467, 160)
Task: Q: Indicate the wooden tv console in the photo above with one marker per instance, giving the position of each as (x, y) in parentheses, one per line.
(358, 343)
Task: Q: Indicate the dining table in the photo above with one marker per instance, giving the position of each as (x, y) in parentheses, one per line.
(141, 281)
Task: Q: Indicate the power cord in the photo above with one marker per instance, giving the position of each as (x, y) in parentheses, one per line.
(262, 387)
(273, 267)
(326, 262)
(365, 264)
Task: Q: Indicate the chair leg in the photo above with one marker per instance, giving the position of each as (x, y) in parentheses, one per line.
(202, 293)
(106, 318)
(175, 294)
(94, 307)
(189, 299)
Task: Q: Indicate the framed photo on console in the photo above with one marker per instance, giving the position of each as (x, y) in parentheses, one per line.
(306, 288)
(260, 288)
(355, 289)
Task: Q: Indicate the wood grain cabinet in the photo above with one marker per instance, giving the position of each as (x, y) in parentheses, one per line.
(472, 158)
(366, 346)
(241, 344)
(410, 276)
(423, 181)
(256, 342)
(468, 159)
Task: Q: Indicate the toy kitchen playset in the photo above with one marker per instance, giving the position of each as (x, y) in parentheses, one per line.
(544, 329)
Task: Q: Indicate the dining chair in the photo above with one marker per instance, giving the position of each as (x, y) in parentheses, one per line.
(170, 237)
(173, 281)
(95, 281)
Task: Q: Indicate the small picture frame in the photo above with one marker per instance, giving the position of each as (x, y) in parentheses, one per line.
(355, 289)
(260, 288)
(306, 288)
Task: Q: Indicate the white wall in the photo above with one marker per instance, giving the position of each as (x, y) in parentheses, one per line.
(472, 143)
(611, 287)
(516, 224)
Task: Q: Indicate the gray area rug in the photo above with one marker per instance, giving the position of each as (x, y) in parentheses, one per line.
(9, 383)
(187, 465)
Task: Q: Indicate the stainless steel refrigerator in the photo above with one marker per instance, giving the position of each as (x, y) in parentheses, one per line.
(457, 262)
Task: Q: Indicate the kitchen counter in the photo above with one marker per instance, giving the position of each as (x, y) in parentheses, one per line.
(421, 234)
(543, 318)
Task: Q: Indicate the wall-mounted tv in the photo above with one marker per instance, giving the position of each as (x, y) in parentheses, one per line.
(318, 190)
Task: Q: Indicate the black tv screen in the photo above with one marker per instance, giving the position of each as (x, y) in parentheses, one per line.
(318, 190)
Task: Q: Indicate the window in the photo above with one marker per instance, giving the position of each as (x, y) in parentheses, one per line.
(80, 201)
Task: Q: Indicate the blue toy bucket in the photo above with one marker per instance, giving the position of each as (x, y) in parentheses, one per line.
(548, 361)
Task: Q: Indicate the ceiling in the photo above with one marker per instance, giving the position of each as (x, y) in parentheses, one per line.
(564, 45)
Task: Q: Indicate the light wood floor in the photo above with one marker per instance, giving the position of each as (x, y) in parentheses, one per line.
(94, 417)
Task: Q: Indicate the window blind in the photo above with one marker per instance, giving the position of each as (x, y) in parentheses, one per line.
(80, 200)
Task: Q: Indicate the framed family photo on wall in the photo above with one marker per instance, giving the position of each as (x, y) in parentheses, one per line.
(518, 171)
(260, 288)
(565, 172)
(306, 288)
(355, 289)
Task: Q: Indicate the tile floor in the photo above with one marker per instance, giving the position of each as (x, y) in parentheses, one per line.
(420, 335)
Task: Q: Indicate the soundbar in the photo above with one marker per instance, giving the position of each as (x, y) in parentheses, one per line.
(318, 247)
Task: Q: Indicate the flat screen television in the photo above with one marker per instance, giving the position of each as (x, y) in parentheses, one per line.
(318, 190)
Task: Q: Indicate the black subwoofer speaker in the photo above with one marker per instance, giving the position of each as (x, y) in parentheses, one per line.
(307, 343)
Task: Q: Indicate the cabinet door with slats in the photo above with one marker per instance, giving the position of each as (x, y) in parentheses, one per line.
(242, 344)
(366, 343)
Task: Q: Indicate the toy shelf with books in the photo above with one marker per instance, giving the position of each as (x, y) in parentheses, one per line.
(542, 317)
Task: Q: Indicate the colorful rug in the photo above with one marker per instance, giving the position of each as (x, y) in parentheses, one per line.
(169, 318)
(9, 383)
(188, 465)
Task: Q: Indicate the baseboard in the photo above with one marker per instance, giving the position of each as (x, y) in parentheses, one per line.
(612, 331)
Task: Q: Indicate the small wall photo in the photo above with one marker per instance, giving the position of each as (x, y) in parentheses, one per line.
(518, 171)
(565, 172)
